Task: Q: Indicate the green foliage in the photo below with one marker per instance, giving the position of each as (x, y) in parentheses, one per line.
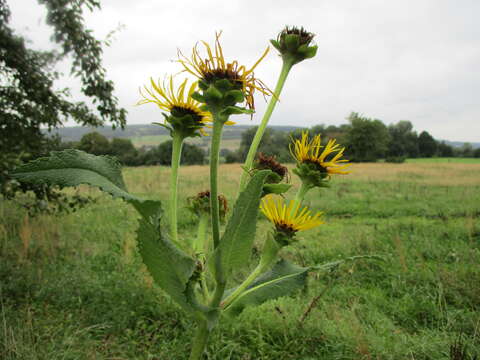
(403, 140)
(170, 267)
(162, 155)
(83, 291)
(94, 143)
(124, 151)
(366, 139)
(426, 144)
(75, 167)
(237, 240)
(283, 279)
(29, 100)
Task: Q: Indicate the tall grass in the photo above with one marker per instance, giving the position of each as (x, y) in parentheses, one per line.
(73, 287)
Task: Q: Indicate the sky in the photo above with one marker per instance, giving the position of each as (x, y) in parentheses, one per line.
(416, 60)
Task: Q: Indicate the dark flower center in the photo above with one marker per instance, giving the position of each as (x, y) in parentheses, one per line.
(265, 162)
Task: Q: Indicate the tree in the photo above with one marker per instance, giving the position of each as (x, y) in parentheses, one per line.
(125, 151)
(28, 98)
(403, 140)
(162, 155)
(366, 139)
(427, 144)
(94, 143)
(445, 150)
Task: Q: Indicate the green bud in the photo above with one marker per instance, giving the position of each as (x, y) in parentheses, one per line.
(312, 174)
(294, 44)
(183, 122)
(200, 204)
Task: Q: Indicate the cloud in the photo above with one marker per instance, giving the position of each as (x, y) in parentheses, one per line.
(389, 60)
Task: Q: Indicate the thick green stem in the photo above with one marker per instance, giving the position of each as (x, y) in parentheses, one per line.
(269, 255)
(200, 245)
(302, 191)
(199, 341)
(241, 288)
(287, 65)
(215, 211)
(176, 154)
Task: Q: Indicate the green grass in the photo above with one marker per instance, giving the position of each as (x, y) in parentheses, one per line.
(445, 160)
(73, 287)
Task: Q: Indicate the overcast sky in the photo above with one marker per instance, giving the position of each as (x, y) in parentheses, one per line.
(414, 60)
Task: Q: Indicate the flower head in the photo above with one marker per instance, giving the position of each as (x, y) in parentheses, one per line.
(186, 115)
(310, 151)
(265, 162)
(213, 68)
(289, 219)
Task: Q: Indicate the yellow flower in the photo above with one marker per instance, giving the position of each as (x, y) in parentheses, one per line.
(214, 67)
(178, 103)
(310, 151)
(289, 219)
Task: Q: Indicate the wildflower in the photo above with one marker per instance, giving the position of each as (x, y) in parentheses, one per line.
(222, 80)
(186, 116)
(200, 204)
(315, 165)
(288, 220)
(294, 44)
(265, 162)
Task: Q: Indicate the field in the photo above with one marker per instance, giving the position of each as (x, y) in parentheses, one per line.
(73, 287)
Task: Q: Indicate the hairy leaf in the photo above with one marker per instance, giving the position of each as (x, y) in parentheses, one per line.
(283, 279)
(73, 168)
(169, 266)
(236, 243)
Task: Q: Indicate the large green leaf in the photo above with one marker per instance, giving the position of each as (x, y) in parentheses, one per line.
(169, 266)
(75, 167)
(283, 279)
(237, 240)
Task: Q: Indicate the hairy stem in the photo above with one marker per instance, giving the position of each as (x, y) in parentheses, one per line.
(200, 246)
(302, 191)
(215, 211)
(287, 65)
(176, 154)
(199, 341)
(241, 288)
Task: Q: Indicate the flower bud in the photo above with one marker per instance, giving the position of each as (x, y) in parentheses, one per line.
(294, 44)
(200, 204)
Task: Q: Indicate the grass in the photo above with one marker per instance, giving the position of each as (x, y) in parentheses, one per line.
(446, 160)
(73, 287)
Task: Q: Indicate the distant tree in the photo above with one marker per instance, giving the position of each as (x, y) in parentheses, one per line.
(247, 138)
(427, 144)
(125, 151)
(94, 143)
(162, 155)
(466, 150)
(29, 100)
(403, 140)
(444, 150)
(476, 153)
(366, 139)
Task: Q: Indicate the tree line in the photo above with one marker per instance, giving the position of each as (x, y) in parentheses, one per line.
(365, 140)
(124, 150)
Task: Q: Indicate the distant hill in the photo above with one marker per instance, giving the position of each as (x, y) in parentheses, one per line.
(149, 134)
(136, 131)
(475, 145)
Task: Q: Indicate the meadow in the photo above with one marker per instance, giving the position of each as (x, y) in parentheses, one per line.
(73, 286)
